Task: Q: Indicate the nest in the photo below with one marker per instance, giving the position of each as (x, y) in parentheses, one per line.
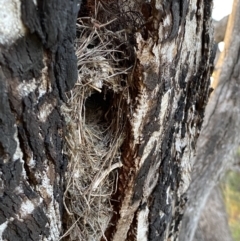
(95, 123)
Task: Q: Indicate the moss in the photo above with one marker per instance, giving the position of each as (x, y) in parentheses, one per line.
(231, 190)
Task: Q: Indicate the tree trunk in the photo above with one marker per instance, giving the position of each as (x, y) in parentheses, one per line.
(220, 29)
(168, 90)
(38, 64)
(214, 209)
(219, 139)
(172, 80)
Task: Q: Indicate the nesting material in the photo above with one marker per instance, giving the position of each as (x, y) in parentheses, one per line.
(95, 126)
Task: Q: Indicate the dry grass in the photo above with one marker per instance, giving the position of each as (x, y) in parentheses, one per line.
(95, 125)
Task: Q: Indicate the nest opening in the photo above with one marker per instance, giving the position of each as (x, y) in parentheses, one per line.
(96, 105)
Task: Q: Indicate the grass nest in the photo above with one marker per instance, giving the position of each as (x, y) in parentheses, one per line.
(95, 120)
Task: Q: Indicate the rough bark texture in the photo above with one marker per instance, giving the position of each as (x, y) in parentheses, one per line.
(219, 139)
(169, 91)
(38, 65)
(171, 80)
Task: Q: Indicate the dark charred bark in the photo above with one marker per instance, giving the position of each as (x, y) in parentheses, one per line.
(38, 64)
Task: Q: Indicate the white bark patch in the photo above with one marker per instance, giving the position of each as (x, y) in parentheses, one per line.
(45, 84)
(185, 172)
(18, 155)
(32, 163)
(161, 214)
(27, 205)
(168, 198)
(42, 84)
(11, 25)
(3, 226)
(180, 144)
(24, 89)
(168, 53)
(164, 106)
(167, 21)
(140, 114)
(192, 40)
(143, 225)
(26, 208)
(149, 146)
(46, 110)
(144, 48)
(185, 164)
(18, 190)
(151, 180)
(46, 190)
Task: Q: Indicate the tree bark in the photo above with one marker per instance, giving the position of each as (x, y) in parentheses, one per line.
(169, 90)
(171, 78)
(214, 209)
(219, 139)
(38, 64)
(220, 29)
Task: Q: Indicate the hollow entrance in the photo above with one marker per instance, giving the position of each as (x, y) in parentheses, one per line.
(96, 106)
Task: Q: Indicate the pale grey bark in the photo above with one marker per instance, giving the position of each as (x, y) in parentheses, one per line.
(219, 34)
(220, 29)
(219, 139)
(213, 223)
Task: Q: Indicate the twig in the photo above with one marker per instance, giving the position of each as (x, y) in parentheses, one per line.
(105, 173)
